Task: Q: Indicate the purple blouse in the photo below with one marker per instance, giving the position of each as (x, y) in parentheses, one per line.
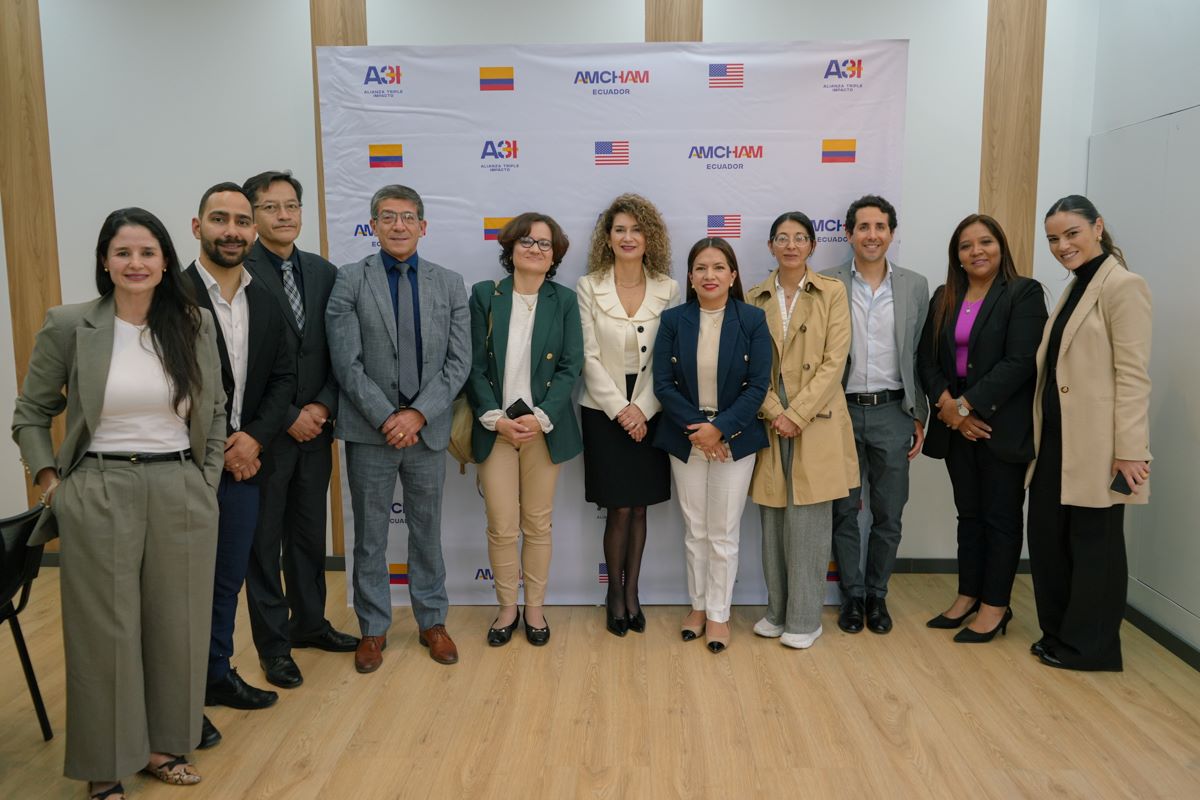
(962, 334)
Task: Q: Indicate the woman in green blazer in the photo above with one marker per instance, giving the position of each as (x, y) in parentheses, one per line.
(132, 493)
(527, 350)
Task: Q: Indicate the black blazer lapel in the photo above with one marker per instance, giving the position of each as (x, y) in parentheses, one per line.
(260, 314)
(729, 329)
(990, 300)
(686, 339)
(202, 297)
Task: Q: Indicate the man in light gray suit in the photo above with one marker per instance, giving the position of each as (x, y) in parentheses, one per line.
(399, 340)
(887, 406)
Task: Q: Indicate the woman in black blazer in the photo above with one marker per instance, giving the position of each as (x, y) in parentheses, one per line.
(712, 367)
(977, 363)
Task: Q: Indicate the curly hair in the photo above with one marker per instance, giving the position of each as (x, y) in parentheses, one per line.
(657, 259)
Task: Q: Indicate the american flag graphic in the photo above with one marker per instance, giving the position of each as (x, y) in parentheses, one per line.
(612, 153)
(726, 76)
(727, 226)
(603, 573)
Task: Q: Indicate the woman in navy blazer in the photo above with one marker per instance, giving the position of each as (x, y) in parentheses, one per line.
(976, 361)
(712, 367)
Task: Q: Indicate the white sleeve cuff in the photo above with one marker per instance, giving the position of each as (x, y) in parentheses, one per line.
(543, 420)
(488, 419)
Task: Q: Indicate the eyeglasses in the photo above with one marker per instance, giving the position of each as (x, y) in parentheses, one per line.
(389, 218)
(273, 208)
(783, 240)
(528, 242)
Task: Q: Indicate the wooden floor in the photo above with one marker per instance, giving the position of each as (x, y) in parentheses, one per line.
(908, 715)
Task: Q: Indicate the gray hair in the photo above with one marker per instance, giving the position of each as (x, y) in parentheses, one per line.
(395, 191)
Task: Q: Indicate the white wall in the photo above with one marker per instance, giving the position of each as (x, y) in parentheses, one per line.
(151, 102)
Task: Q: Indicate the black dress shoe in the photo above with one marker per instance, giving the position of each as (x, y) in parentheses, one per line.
(497, 637)
(209, 735)
(636, 622)
(330, 641)
(878, 618)
(1038, 647)
(950, 623)
(968, 636)
(850, 618)
(234, 692)
(537, 636)
(1052, 659)
(281, 671)
(617, 626)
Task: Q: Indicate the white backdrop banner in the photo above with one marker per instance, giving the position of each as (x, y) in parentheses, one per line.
(721, 137)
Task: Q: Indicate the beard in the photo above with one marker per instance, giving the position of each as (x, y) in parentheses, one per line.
(212, 250)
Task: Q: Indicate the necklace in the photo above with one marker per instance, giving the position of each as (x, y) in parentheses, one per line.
(630, 285)
(529, 304)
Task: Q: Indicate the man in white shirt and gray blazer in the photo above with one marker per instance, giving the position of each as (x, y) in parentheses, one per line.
(888, 305)
(399, 340)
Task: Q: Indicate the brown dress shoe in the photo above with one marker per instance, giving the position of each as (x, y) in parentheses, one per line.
(369, 653)
(441, 646)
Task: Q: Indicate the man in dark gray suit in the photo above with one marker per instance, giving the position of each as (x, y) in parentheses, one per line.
(291, 523)
(399, 337)
(887, 406)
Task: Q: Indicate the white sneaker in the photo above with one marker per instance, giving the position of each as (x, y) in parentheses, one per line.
(800, 641)
(764, 628)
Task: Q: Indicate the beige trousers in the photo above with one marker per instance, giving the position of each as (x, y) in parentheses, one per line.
(518, 493)
(137, 557)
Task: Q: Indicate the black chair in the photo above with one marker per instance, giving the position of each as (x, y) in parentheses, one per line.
(19, 564)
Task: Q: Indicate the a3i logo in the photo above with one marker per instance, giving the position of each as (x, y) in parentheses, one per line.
(499, 155)
(382, 82)
(843, 75)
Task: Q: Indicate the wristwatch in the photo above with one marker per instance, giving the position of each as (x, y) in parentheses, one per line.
(963, 411)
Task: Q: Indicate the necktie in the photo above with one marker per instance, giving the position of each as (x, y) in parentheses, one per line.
(293, 293)
(406, 334)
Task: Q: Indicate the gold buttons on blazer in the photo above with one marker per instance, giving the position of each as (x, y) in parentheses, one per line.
(549, 356)
(1066, 389)
(803, 328)
(808, 366)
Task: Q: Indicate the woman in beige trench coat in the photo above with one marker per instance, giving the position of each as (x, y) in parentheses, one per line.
(811, 459)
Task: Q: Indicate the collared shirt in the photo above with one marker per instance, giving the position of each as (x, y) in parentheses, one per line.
(785, 308)
(392, 267)
(294, 258)
(234, 319)
(874, 359)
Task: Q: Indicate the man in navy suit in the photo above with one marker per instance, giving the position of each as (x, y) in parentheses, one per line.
(887, 406)
(259, 377)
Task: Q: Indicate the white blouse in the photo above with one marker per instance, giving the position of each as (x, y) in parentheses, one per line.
(517, 364)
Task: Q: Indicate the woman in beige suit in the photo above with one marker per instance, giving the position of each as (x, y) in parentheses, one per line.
(1091, 435)
(810, 460)
(627, 287)
(132, 493)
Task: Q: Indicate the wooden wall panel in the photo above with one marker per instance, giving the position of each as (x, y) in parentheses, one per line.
(674, 20)
(334, 22)
(26, 188)
(1012, 115)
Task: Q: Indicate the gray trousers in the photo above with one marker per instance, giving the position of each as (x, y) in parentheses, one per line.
(882, 436)
(137, 557)
(371, 471)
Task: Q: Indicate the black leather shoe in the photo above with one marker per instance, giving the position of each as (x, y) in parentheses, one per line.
(878, 618)
(617, 626)
(950, 623)
(209, 735)
(1038, 647)
(281, 671)
(968, 636)
(234, 692)
(330, 641)
(537, 636)
(850, 618)
(500, 636)
(636, 622)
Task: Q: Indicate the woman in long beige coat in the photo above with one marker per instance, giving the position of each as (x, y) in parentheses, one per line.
(810, 460)
(1091, 436)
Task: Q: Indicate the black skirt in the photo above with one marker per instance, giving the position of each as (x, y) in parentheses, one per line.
(617, 471)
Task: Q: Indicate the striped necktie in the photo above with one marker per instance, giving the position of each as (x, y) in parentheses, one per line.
(293, 293)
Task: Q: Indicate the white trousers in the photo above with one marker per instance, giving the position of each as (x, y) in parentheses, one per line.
(712, 495)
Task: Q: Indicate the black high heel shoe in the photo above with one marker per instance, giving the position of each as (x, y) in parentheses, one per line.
(497, 637)
(636, 622)
(950, 623)
(968, 636)
(617, 626)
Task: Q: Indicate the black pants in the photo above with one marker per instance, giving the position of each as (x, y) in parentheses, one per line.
(989, 495)
(291, 535)
(1080, 575)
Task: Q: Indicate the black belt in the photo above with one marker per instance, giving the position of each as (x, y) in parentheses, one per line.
(141, 458)
(874, 398)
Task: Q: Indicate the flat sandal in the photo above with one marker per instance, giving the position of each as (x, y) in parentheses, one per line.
(177, 772)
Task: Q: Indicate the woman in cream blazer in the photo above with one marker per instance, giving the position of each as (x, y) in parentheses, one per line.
(810, 459)
(132, 492)
(627, 287)
(1091, 437)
